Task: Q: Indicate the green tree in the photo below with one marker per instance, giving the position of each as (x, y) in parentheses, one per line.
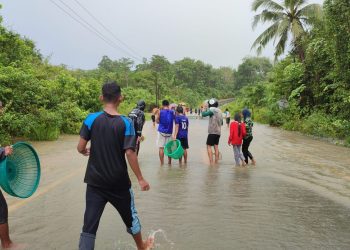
(251, 70)
(292, 17)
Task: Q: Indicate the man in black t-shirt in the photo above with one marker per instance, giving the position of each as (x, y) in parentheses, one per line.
(112, 137)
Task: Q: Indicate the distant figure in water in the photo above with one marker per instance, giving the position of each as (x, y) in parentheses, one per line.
(214, 129)
(112, 138)
(137, 115)
(237, 133)
(165, 118)
(181, 131)
(228, 117)
(249, 136)
(154, 112)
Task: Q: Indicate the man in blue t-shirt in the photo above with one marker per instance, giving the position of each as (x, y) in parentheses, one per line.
(112, 138)
(165, 118)
(181, 130)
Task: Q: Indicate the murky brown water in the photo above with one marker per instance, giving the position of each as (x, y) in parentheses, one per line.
(298, 197)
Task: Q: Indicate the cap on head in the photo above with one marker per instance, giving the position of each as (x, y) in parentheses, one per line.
(165, 103)
(141, 105)
(180, 110)
(213, 103)
(111, 92)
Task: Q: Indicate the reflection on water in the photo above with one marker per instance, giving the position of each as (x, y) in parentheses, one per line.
(296, 197)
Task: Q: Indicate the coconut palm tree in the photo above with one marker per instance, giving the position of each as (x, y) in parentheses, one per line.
(288, 17)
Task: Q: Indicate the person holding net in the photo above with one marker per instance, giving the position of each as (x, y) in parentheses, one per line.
(6, 242)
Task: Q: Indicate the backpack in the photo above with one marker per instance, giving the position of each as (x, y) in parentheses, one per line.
(137, 118)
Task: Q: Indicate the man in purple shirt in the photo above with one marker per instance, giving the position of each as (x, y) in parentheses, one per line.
(181, 131)
(165, 119)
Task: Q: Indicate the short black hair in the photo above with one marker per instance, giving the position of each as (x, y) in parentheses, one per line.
(179, 110)
(111, 91)
(165, 103)
(238, 117)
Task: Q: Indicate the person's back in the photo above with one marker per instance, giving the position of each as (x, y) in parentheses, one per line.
(237, 133)
(215, 121)
(166, 121)
(138, 118)
(110, 136)
(181, 131)
(182, 121)
(249, 127)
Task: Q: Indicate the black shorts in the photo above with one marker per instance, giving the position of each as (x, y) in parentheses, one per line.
(3, 209)
(213, 139)
(184, 142)
(153, 118)
(122, 201)
(228, 120)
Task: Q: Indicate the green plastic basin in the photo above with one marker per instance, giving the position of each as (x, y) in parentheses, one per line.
(20, 172)
(173, 149)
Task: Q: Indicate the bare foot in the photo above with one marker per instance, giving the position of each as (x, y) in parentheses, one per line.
(253, 162)
(148, 244)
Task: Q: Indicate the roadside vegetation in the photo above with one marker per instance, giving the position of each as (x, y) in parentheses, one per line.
(40, 100)
(306, 88)
(309, 89)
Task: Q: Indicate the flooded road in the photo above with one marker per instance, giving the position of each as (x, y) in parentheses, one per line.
(297, 197)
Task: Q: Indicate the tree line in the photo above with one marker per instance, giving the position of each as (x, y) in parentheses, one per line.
(39, 101)
(309, 89)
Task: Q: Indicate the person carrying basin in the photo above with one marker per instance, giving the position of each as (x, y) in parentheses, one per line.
(137, 115)
(181, 131)
(112, 138)
(214, 128)
(6, 242)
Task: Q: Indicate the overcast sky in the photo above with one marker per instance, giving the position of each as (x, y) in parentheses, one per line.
(216, 31)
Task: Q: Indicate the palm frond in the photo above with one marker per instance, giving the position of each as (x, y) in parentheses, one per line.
(268, 4)
(265, 37)
(311, 11)
(281, 45)
(266, 16)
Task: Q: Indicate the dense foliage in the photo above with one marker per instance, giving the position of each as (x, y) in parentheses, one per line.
(313, 95)
(40, 101)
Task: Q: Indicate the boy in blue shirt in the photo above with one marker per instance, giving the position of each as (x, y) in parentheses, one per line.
(165, 119)
(112, 137)
(181, 131)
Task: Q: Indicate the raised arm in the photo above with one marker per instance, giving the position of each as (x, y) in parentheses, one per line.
(207, 113)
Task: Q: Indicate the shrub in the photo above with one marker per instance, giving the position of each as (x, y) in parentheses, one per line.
(72, 117)
(45, 125)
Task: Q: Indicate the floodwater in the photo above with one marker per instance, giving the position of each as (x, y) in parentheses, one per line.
(297, 197)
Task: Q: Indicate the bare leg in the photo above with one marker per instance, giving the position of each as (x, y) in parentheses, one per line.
(143, 245)
(169, 160)
(185, 156)
(5, 236)
(216, 147)
(210, 154)
(161, 155)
